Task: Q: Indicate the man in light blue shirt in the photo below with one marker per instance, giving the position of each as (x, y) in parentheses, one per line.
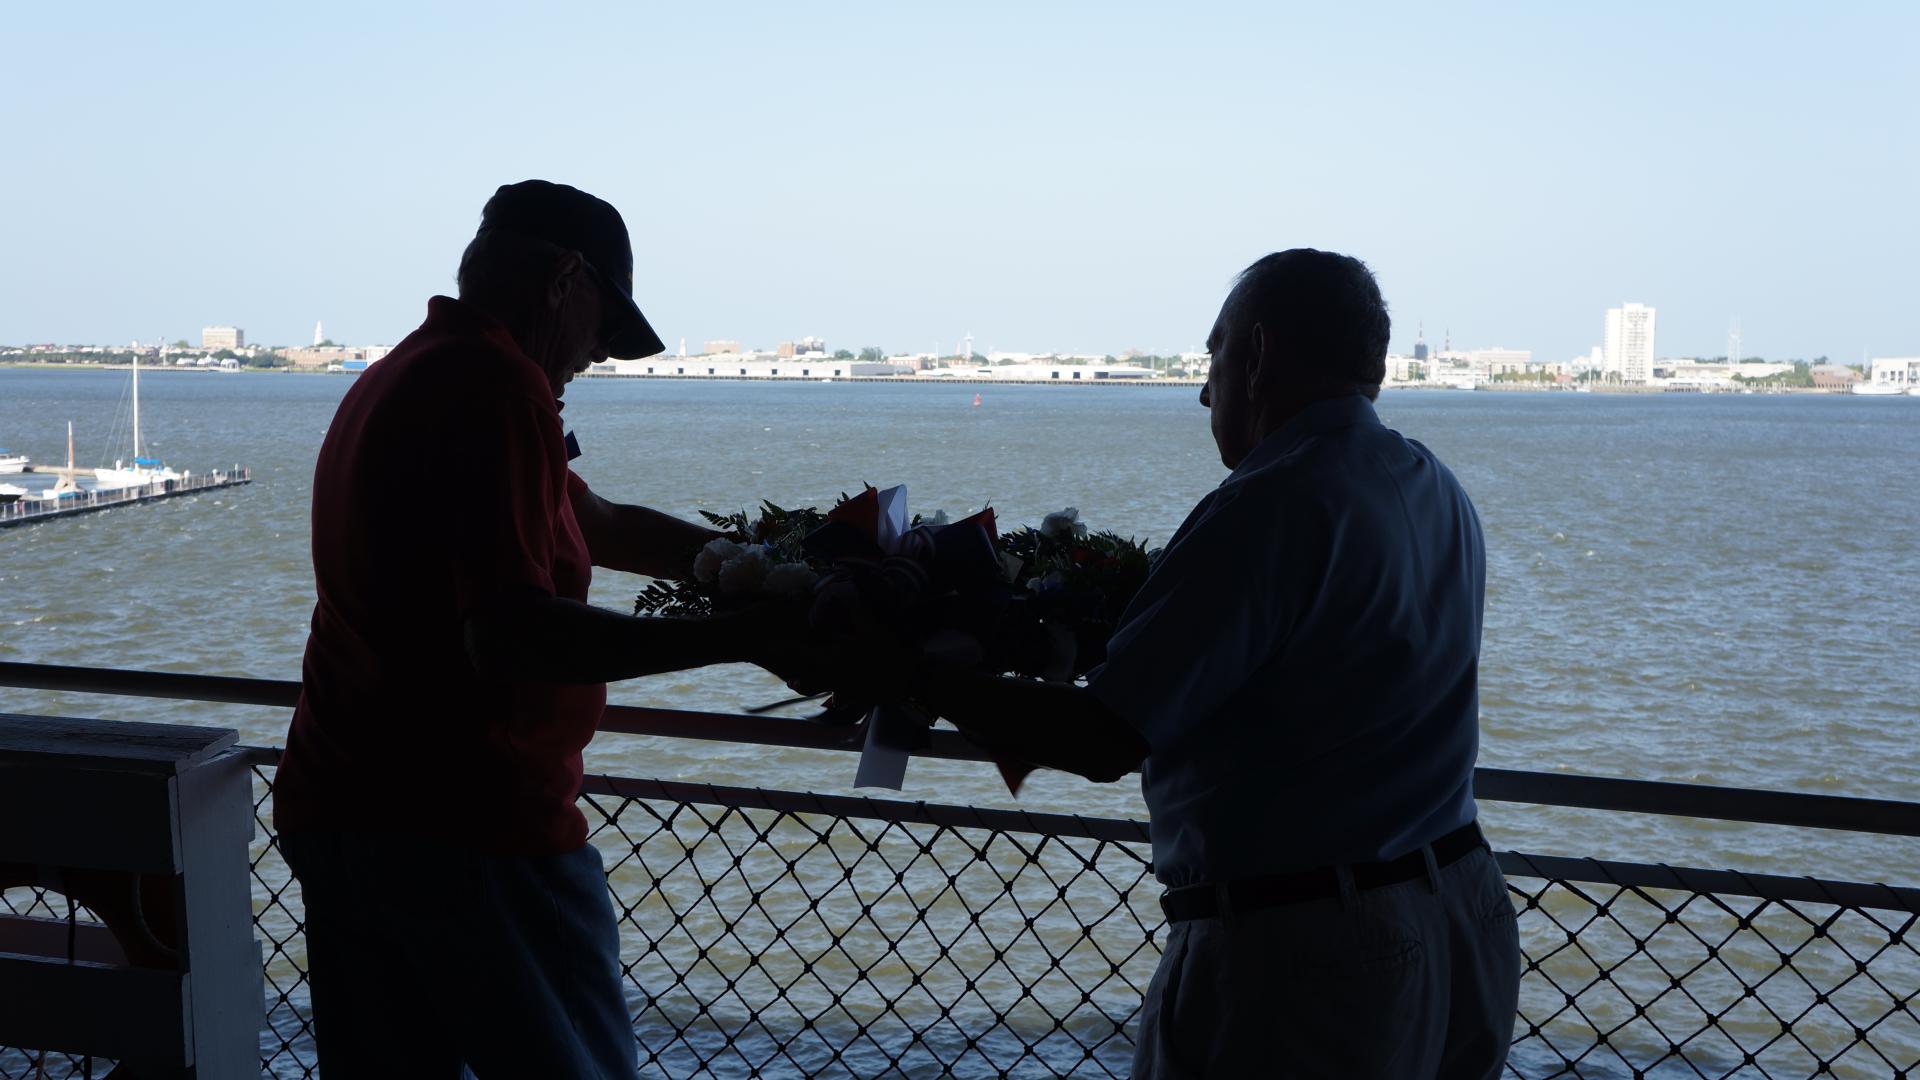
(1298, 683)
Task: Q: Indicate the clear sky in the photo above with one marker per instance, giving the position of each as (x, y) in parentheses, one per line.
(1044, 176)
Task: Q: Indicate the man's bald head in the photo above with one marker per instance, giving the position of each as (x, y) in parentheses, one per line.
(1299, 326)
(1322, 315)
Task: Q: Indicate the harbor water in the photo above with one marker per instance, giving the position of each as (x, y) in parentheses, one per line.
(1718, 589)
(1712, 589)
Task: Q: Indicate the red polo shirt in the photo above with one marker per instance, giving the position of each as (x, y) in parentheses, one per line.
(442, 488)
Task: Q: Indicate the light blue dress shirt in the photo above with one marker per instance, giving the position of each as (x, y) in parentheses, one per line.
(1303, 660)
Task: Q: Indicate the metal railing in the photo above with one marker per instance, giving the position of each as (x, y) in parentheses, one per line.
(785, 933)
(26, 510)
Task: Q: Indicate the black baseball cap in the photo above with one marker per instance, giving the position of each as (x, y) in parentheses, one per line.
(575, 220)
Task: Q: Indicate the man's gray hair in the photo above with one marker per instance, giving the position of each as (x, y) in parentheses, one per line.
(503, 267)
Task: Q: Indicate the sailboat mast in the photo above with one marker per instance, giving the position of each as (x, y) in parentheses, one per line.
(136, 408)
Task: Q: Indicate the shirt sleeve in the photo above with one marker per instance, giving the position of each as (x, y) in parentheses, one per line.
(502, 503)
(1218, 606)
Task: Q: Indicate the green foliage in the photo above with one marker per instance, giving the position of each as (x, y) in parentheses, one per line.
(1103, 565)
(842, 354)
(674, 599)
(779, 529)
(872, 354)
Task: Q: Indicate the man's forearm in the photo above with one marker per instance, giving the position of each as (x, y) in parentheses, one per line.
(1060, 727)
(549, 639)
(637, 539)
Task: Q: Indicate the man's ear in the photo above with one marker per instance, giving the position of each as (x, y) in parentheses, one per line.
(566, 276)
(1260, 364)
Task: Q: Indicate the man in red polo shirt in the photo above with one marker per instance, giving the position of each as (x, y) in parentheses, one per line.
(454, 912)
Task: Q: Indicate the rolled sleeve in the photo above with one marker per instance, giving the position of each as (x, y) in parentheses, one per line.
(503, 504)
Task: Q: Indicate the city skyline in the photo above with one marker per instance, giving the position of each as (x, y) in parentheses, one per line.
(1040, 178)
(1627, 347)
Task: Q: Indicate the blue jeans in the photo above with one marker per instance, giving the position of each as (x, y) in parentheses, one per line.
(424, 958)
(1415, 981)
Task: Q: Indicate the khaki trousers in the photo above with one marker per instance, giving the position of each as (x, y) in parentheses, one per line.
(1404, 982)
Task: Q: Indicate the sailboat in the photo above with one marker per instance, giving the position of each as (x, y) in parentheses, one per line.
(65, 487)
(145, 470)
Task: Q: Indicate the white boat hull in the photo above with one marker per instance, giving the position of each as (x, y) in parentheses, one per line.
(14, 463)
(126, 478)
(1877, 390)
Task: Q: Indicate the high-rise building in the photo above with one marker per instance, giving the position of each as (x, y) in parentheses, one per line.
(1420, 344)
(1629, 355)
(223, 337)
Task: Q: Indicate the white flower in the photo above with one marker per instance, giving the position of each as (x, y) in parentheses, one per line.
(1062, 524)
(706, 565)
(746, 572)
(1052, 577)
(790, 579)
(938, 519)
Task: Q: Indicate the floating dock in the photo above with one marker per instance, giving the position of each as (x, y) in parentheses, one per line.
(25, 511)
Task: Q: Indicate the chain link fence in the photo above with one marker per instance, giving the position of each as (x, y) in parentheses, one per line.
(785, 934)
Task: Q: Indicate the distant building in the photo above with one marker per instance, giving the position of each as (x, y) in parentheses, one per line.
(1629, 349)
(1901, 371)
(321, 356)
(319, 333)
(808, 346)
(223, 337)
(1487, 363)
(719, 348)
(1714, 372)
(1420, 344)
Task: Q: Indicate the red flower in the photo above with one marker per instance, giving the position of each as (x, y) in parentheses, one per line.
(862, 512)
(985, 520)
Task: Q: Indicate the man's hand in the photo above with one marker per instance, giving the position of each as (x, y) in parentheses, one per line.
(869, 665)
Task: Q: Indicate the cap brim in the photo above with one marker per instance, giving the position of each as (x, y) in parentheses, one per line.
(637, 338)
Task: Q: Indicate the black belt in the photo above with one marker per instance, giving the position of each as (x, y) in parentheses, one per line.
(1207, 900)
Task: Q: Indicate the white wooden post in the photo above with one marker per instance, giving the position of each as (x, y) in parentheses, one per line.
(146, 825)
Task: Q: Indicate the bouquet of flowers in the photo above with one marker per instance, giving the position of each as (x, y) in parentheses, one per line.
(1036, 602)
(762, 557)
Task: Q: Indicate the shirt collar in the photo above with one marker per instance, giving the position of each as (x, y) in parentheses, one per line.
(450, 316)
(1331, 414)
